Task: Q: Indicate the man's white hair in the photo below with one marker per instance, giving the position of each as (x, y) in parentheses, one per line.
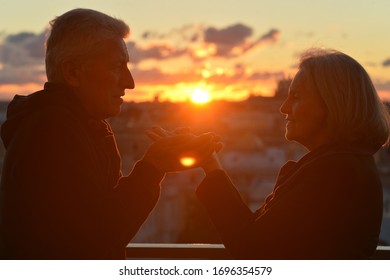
(75, 36)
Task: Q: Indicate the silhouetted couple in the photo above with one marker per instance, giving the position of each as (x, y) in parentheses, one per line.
(63, 195)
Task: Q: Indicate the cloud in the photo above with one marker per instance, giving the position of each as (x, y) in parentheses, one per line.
(22, 55)
(22, 58)
(183, 35)
(199, 42)
(23, 48)
(386, 63)
(159, 51)
(235, 40)
(232, 35)
(194, 41)
(10, 74)
(382, 85)
(237, 74)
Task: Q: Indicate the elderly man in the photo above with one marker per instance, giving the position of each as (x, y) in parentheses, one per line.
(62, 192)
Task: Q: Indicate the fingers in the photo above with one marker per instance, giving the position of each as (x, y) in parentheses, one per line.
(185, 141)
(165, 133)
(182, 130)
(155, 133)
(218, 147)
(180, 150)
(215, 139)
(191, 143)
(153, 136)
(161, 132)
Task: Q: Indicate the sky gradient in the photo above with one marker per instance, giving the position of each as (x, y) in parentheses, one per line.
(230, 49)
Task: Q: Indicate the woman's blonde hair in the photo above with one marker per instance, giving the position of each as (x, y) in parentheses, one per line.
(355, 111)
(76, 35)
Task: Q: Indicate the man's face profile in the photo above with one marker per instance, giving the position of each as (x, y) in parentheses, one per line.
(104, 78)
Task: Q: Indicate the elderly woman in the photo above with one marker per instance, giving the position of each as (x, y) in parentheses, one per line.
(327, 205)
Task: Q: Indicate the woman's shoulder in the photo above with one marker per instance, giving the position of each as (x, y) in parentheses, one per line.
(341, 155)
(355, 166)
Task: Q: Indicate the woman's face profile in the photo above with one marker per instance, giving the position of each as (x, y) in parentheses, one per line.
(305, 113)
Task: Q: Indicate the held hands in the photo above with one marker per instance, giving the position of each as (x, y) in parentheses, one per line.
(181, 150)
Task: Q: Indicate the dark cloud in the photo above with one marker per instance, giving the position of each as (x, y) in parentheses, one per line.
(22, 55)
(182, 35)
(34, 44)
(158, 52)
(386, 63)
(152, 35)
(19, 38)
(235, 40)
(22, 49)
(22, 58)
(271, 36)
(231, 35)
(199, 42)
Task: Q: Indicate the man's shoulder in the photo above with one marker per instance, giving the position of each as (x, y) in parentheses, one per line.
(54, 107)
(41, 113)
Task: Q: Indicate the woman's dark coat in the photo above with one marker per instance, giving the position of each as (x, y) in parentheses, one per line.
(328, 205)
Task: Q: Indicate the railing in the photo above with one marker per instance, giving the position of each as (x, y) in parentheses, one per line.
(201, 251)
(382, 253)
(176, 251)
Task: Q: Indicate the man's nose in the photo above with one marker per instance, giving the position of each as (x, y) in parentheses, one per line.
(128, 81)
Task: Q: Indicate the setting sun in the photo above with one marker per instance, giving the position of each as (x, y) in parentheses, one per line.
(200, 96)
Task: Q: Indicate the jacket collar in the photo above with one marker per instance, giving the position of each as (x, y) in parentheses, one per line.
(291, 168)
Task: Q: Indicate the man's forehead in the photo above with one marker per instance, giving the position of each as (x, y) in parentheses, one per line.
(114, 48)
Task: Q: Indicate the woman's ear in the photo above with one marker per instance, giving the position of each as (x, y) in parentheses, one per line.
(71, 73)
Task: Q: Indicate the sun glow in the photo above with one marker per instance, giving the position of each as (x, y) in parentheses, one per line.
(200, 96)
(187, 161)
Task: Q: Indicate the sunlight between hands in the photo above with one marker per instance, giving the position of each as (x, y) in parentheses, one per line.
(169, 148)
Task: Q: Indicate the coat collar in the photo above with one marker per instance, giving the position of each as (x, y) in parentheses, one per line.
(64, 94)
(291, 169)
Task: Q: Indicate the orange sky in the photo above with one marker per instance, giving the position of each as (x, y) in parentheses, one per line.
(230, 49)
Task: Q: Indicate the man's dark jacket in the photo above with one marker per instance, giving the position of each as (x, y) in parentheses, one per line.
(62, 194)
(328, 205)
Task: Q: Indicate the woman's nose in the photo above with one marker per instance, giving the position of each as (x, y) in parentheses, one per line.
(285, 108)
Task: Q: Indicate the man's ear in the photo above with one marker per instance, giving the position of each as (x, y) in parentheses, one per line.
(71, 73)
